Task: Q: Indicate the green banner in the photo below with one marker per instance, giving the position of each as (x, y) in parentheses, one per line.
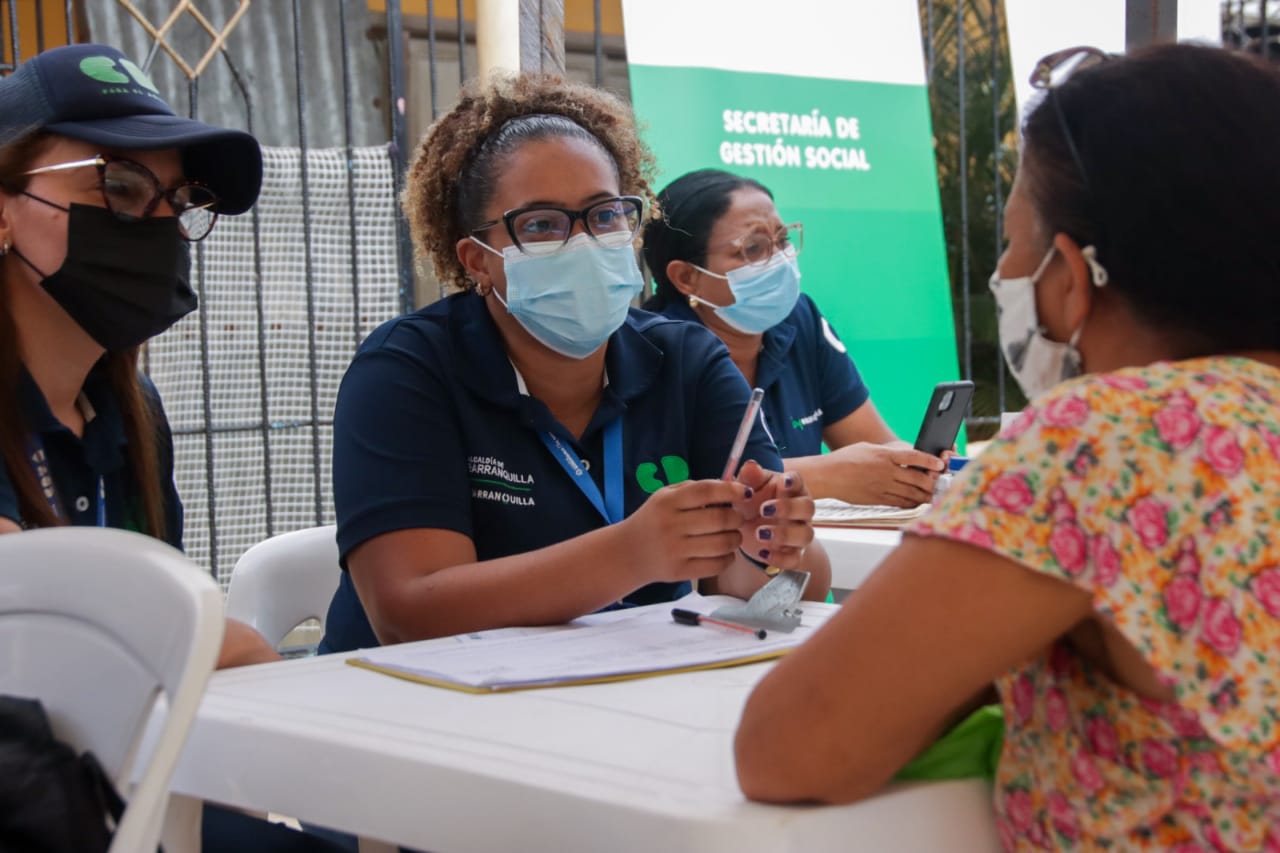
(853, 161)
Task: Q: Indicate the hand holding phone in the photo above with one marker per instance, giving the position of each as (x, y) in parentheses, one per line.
(948, 406)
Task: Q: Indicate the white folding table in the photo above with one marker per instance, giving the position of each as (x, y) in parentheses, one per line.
(642, 765)
(855, 552)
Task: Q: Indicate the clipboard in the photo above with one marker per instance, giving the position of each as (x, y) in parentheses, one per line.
(616, 646)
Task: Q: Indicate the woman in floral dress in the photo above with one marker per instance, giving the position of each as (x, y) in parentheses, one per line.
(1112, 561)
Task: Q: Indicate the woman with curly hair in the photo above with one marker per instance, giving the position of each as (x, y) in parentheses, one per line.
(529, 449)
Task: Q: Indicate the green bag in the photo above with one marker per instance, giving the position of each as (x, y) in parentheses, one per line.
(970, 749)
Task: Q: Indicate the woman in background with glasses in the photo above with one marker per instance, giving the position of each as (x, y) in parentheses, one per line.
(528, 449)
(721, 256)
(1110, 561)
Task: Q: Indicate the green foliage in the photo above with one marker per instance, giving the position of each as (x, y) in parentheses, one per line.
(984, 116)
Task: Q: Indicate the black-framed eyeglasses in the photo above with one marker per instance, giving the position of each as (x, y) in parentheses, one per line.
(1051, 71)
(131, 191)
(759, 245)
(541, 230)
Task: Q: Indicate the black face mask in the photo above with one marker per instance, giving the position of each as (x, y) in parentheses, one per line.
(122, 282)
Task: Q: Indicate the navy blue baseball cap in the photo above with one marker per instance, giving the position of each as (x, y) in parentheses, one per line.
(94, 93)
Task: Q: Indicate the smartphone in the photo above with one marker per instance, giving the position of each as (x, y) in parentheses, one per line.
(942, 420)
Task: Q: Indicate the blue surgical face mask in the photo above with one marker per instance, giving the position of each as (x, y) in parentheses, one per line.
(571, 300)
(763, 294)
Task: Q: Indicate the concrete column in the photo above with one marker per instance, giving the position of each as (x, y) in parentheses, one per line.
(520, 35)
(498, 35)
(1150, 22)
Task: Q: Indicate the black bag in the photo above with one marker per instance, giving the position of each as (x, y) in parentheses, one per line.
(51, 800)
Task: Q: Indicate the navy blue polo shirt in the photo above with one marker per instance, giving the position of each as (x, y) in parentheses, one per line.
(76, 463)
(809, 381)
(431, 431)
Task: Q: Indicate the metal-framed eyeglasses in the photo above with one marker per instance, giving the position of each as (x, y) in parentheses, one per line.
(543, 230)
(1051, 71)
(131, 192)
(760, 244)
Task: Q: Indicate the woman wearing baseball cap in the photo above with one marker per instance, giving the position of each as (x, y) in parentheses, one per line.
(103, 189)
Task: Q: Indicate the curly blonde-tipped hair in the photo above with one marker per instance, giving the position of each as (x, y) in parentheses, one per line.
(451, 178)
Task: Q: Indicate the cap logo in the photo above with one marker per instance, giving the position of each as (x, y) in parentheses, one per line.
(107, 69)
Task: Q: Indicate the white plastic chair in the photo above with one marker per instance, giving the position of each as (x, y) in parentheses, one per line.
(283, 581)
(101, 626)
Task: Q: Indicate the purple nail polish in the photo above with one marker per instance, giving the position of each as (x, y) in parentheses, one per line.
(750, 492)
(764, 533)
(789, 481)
(764, 553)
(769, 510)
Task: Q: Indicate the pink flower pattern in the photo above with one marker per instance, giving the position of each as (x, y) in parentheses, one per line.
(1222, 451)
(1102, 738)
(1057, 714)
(1010, 493)
(1066, 412)
(1086, 772)
(1266, 586)
(1182, 601)
(1017, 808)
(1063, 816)
(1177, 424)
(1125, 382)
(1221, 627)
(1021, 424)
(1159, 758)
(1272, 438)
(1155, 490)
(1106, 561)
(1024, 698)
(1188, 561)
(1150, 520)
(975, 535)
(1068, 544)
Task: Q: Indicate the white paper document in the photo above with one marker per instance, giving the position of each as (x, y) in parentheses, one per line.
(601, 647)
(836, 512)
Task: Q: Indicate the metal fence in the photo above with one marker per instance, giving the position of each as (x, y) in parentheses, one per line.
(336, 90)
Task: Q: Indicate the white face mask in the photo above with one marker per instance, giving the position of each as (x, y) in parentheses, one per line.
(1036, 362)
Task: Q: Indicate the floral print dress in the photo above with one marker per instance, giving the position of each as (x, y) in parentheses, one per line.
(1157, 490)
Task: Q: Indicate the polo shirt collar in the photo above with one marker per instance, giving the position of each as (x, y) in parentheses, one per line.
(774, 348)
(104, 436)
(479, 356)
(35, 408)
(631, 362)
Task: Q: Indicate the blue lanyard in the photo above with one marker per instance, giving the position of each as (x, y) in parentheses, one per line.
(40, 465)
(610, 505)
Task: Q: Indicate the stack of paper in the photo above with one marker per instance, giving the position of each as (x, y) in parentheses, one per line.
(840, 514)
(604, 647)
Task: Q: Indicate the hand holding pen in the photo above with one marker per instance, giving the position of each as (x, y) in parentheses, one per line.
(778, 515)
(777, 518)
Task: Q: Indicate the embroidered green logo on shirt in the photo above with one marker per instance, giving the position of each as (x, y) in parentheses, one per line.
(811, 418)
(674, 469)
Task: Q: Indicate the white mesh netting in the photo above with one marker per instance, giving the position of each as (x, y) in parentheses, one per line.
(243, 468)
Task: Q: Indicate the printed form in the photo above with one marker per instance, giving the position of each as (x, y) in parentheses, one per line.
(601, 647)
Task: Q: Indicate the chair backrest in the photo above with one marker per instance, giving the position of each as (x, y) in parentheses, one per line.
(283, 581)
(103, 626)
